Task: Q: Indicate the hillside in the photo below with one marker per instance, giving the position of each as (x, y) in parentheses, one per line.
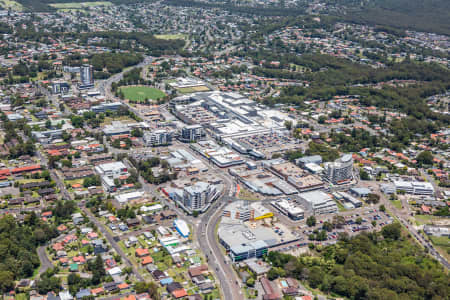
(419, 15)
(43, 5)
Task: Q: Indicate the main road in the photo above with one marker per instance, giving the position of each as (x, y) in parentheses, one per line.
(205, 227)
(403, 215)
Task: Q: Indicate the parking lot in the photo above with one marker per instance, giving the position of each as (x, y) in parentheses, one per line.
(354, 222)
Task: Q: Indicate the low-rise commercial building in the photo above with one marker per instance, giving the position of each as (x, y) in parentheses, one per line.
(289, 209)
(414, 187)
(318, 202)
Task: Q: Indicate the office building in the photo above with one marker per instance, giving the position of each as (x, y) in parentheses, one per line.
(192, 133)
(221, 156)
(340, 171)
(110, 171)
(294, 175)
(86, 77)
(313, 159)
(318, 202)
(414, 187)
(244, 240)
(289, 209)
(193, 197)
(157, 138)
(198, 195)
(116, 128)
(350, 199)
(106, 107)
(60, 87)
(244, 211)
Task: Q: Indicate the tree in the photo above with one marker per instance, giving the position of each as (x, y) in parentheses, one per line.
(425, 158)
(275, 273)
(364, 175)
(338, 221)
(311, 221)
(6, 281)
(250, 281)
(327, 226)
(382, 208)
(288, 124)
(391, 231)
(373, 198)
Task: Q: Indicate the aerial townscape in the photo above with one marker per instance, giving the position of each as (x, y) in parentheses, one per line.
(229, 150)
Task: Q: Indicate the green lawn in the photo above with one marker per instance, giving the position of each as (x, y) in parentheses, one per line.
(23, 181)
(442, 243)
(21, 296)
(397, 204)
(340, 206)
(140, 93)
(170, 36)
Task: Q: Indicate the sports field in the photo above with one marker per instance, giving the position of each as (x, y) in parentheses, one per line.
(140, 93)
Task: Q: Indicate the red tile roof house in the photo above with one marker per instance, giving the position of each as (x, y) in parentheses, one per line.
(269, 291)
(146, 260)
(97, 291)
(141, 252)
(79, 259)
(92, 235)
(69, 238)
(47, 214)
(58, 247)
(425, 209)
(177, 290)
(123, 286)
(26, 169)
(62, 228)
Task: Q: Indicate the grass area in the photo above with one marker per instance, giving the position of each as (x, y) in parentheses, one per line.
(140, 93)
(74, 181)
(171, 36)
(397, 204)
(442, 243)
(9, 4)
(79, 5)
(123, 119)
(423, 219)
(194, 89)
(245, 194)
(340, 206)
(23, 181)
(298, 68)
(21, 296)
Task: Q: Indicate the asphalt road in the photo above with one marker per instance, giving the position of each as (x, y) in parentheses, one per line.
(111, 241)
(224, 272)
(45, 261)
(403, 216)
